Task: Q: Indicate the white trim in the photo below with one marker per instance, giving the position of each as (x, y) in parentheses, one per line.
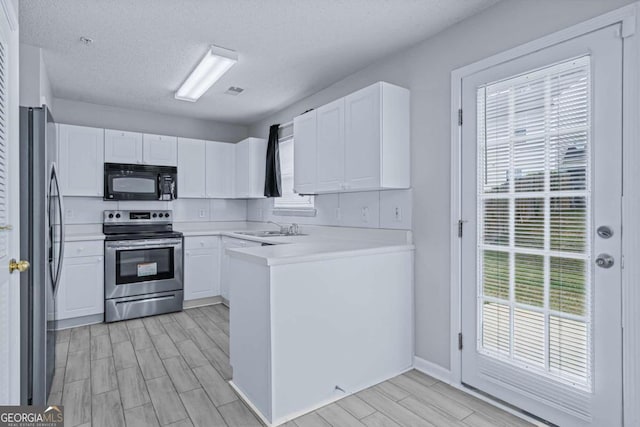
(10, 14)
(431, 369)
(202, 302)
(628, 16)
(251, 406)
(631, 229)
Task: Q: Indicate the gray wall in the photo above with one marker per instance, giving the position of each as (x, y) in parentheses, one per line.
(103, 116)
(426, 70)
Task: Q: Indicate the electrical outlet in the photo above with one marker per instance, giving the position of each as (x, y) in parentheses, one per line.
(337, 214)
(365, 214)
(68, 213)
(202, 213)
(259, 212)
(397, 213)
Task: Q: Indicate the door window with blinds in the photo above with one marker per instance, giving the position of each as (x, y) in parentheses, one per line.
(534, 287)
(289, 199)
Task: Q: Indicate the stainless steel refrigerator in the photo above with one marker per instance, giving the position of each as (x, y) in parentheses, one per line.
(41, 237)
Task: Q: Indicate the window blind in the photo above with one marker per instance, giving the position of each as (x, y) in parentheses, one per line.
(534, 285)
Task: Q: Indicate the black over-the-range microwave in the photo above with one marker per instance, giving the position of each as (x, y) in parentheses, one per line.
(140, 182)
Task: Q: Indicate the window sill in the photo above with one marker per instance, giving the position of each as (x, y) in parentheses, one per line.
(308, 212)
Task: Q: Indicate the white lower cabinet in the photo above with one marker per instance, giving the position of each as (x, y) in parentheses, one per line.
(81, 288)
(226, 279)
(201, 267)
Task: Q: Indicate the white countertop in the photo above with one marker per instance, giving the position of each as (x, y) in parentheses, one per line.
(308, 251)
(316, 243)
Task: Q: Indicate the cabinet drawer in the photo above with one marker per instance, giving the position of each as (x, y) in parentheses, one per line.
(201, 242)
(83, 248)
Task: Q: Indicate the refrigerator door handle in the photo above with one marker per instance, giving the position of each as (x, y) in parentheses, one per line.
(58, 268)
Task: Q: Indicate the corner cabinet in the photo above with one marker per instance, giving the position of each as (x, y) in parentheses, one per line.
(159, 150)
(81, 160)
(304, 154)
(201, 267)
(81, 288)
(361, 141)
(192, 164)
(251, 159)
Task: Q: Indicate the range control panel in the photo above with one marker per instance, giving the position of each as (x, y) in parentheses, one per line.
(138, 217)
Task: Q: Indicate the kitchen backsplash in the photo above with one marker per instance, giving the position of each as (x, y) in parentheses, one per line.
(371, 209)
(88, 210)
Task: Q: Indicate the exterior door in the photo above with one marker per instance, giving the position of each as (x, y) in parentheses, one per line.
(9, 211)
(541, 191)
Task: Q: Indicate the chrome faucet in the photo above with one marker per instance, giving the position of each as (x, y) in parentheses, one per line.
(292, 229)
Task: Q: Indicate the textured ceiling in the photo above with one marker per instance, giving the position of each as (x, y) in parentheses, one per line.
(288, 49)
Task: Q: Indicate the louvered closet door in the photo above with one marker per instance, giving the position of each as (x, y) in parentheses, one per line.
(9, 216)
(541, 172)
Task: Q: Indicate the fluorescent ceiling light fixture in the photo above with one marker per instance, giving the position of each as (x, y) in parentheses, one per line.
(215, 63)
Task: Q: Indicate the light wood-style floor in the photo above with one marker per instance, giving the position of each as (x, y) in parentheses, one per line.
(173, 369)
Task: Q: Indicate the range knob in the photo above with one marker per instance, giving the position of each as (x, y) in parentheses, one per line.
(166, 215)
(110, 215)
(117, 215)
(155, 215)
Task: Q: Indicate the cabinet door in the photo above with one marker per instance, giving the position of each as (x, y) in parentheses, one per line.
(81, 291)
(201, 273)
(257, 166)
(191, 168)
(220, 169)
(330, 151)
(122, 147)
(81, 160)
(160, 150)
(363, 139)
(242, 171)
(304, 153)
(226, 280)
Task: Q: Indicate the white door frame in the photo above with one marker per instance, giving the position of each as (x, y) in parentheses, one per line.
(628, 16)
(10, 17)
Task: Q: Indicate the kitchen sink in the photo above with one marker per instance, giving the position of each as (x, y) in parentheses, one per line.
(267, 233)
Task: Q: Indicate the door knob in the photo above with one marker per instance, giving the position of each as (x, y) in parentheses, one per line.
(604, 261)
(21, 265)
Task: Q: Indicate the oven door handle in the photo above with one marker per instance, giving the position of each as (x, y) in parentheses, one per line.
(147, 244)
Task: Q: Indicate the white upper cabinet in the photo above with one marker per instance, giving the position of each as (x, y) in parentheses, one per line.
(81, 160)
(191, 168)
(304, 153)
(362, 143)
(122, 147)
(160, 150)
(220, 167)
(362, 131)
(330, 149)
(251, 159)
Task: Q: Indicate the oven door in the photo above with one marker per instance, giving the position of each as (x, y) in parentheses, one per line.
(138, 267)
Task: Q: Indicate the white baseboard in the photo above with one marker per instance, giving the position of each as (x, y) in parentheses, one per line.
(431, 369)
(201, 302)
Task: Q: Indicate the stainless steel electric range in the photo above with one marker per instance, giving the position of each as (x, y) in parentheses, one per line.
(143, 269)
